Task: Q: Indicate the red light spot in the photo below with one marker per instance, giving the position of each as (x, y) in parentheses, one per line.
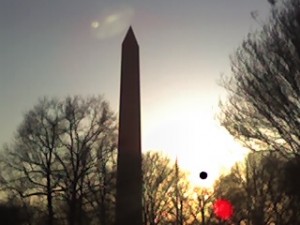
(223, 209)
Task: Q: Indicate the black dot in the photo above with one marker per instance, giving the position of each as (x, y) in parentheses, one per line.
(203, 175)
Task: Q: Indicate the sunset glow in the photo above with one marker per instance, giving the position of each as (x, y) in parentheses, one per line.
(95, 24)
(190, 132)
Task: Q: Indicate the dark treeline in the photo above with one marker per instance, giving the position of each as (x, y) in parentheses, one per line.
(61, 169)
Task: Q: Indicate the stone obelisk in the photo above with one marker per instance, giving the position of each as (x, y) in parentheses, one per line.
(129, 171)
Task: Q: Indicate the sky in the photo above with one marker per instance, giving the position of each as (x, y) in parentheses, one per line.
(69, 47)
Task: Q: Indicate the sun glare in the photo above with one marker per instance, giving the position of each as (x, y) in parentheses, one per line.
(192, 134)
(112, 18)
(113, 22)
(95, 24)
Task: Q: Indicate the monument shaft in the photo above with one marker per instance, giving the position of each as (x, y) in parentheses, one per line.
(129, 171)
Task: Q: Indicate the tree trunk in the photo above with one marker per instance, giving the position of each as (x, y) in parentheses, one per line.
(49, 201)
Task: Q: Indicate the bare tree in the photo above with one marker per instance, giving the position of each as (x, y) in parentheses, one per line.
(262, 110)
(101, 182)
(88, 123)
(57, 153)
(158, 188)
(180, 199)
(200, 206)
(29, 161)
(256, 191)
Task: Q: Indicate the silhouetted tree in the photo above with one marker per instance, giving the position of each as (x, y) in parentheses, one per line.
(159, 189)
(200, 206)
(29, 162)
(58, 156)
(232, 187)
(262, 110)
(12, 214)
(89, 126)
(290, 180)
(256, 191)
(157, 183)
(289, 186)
(101, 182)
(180, 198)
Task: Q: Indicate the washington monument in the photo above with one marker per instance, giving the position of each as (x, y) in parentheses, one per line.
(129, 171)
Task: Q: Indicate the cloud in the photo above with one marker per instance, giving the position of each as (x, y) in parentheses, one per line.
(112, 22)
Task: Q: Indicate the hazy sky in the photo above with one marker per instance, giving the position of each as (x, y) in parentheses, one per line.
(62, 47)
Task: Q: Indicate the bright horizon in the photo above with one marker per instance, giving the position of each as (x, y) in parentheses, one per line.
(194, 136)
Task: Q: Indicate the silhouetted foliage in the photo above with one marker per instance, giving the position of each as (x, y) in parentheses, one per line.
(200, 206)
(257, 191)
(89, 132)
(28, 162)
(262, 110)
(11, 215)
(159, 189)
(61, 169)
(291, 181)
(62, 156)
